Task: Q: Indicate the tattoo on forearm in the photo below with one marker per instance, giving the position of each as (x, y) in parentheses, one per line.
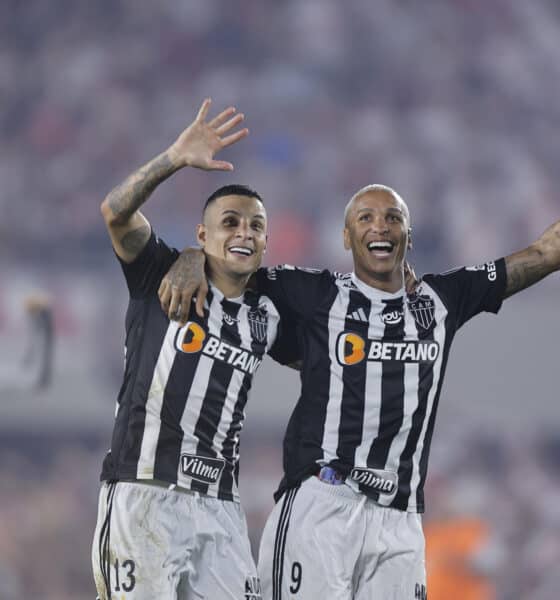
(125, 199)
(524, 269)
(134, 241)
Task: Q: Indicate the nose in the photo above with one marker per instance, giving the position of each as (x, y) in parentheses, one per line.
(379, 223)
(244, 231)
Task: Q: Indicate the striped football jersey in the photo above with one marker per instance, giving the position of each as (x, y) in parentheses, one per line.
(181, 406)
(372, 371)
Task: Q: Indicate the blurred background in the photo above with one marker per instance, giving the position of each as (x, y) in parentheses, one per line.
(454, 103)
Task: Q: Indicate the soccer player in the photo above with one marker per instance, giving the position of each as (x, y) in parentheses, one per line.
(347, 521)
(169, 522)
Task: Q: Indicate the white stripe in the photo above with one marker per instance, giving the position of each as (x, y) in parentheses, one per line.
(439, 337)
(198, 389)
(337, 316)
(410, 403)
(154, 402)
(362, 314)
(372, 400)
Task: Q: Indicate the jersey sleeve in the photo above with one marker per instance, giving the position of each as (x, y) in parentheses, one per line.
(287, 348)
(144, 274)
(472, 290)
(296, 292)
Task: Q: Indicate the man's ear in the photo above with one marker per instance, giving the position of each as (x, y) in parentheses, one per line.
(409, 245)
(346, 234)
(201, 235)
(265, 244)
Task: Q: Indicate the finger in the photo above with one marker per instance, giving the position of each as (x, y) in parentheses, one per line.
(183, 315)
(201, 298)
(174, 305)
(220, 165)
(234, 137)
(229, 124)
(204, 108)
(217, 121)
(164, 295)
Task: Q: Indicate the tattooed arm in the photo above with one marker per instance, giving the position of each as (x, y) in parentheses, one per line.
(526, 267)
(195, 147)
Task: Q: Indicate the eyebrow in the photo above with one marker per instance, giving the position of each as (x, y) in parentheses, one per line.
(232, 211)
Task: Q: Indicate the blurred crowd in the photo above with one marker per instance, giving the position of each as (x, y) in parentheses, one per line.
(451, 102)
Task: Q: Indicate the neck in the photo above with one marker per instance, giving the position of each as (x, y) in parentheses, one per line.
(386, 282)
(232, 285)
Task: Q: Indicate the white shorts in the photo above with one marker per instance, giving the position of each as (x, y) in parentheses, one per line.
(153, 543)
(327, 542)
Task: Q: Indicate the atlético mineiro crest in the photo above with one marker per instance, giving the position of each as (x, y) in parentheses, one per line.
(258, 322)
(423, 309)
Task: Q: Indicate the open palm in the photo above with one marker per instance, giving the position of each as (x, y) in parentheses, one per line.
(202, 140)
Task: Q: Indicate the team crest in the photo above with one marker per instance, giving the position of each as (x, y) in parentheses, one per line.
(423, 309)
(258, 322)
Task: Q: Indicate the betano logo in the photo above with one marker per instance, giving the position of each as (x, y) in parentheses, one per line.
(191, 338)
(351, 349)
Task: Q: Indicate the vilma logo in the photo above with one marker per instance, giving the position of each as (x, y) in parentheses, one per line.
(190, 338)
(202, 468)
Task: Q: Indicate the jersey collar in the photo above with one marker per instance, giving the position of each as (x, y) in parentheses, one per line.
(374, 293)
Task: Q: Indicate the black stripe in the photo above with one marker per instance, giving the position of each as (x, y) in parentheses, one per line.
(354, 383)
(175, 398)
(391, 413)
(280, 543)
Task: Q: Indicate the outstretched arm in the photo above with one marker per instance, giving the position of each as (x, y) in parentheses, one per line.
(195, 147)
(526, 267)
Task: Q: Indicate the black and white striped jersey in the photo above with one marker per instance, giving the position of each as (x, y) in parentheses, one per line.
(373, 366)
(180, 409)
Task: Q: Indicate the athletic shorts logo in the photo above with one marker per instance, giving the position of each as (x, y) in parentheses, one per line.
(423, 309)
(258, 323)
(202, 468)
(351, 349)
(379, 480)
(253, 588)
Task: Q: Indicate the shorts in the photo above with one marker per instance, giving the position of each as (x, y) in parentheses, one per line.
(154, 542)
(328, 542)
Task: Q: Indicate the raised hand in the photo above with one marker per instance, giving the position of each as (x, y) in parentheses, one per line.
(202, 140)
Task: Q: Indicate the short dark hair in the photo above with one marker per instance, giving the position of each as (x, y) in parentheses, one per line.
(234, 189)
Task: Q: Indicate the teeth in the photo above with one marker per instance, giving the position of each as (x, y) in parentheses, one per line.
(241, 250)
(380, 246)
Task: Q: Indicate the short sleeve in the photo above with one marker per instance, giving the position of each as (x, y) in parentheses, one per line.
(472, 290)
(295, 291)
(144, 274)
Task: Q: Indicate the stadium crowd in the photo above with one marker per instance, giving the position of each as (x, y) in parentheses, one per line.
(451, 103)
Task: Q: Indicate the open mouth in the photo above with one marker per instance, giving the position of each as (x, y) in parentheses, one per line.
(241, 251)
(381, 248)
